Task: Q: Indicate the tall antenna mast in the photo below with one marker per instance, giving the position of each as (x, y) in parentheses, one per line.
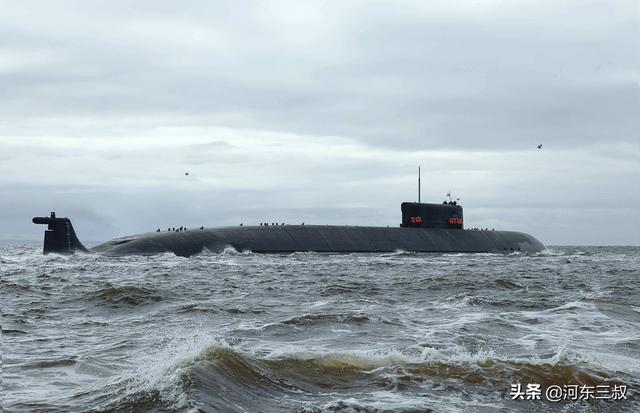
(419, 184)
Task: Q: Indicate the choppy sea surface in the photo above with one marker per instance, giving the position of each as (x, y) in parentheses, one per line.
(306, 332)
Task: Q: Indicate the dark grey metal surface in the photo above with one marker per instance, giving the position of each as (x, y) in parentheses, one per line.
(318, 238)
(424, 228)
(431, 215)
(59, 237)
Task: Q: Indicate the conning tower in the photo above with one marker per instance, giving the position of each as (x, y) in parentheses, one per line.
(447, 215)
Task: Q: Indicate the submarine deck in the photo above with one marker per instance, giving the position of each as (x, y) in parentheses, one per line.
(322, 238)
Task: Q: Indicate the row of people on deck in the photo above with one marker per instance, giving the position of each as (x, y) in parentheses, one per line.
(174, 229)
(262, 224)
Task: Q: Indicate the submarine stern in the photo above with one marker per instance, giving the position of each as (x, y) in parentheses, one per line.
(59, 237)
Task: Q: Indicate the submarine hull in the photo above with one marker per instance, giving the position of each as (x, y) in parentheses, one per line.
(319, 238)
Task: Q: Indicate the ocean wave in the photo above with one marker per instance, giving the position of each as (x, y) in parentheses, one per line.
(13, 332)
(221, 378)
(229, 250)
(398, 253)
(14, 286)
(349, 287)
(308, 319)
(53, 363)
(507, 284)
(124, 296)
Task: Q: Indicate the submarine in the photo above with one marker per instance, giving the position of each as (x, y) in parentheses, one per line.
(425, 227)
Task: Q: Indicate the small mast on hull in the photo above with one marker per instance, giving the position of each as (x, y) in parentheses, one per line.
(419, 185)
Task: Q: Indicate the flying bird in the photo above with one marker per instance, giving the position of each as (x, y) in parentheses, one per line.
(540, 146)
(186, 173)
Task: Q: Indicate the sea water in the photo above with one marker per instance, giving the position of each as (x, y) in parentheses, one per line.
(307, 332)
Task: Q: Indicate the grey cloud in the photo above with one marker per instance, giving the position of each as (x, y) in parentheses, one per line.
(216, 144)
(388, 75)
(210, 87)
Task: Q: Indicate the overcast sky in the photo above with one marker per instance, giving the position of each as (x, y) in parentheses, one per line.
(320, 112)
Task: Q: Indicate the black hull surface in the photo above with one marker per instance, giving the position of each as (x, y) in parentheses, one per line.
(318, 238)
